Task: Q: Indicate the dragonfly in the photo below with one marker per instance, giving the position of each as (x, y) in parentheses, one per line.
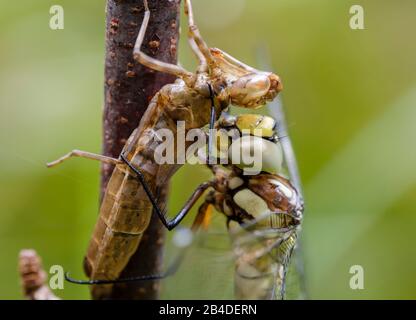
(196, 98)
(263, 213)
(263, 246)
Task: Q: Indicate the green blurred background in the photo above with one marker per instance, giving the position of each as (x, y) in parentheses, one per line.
(350, 97)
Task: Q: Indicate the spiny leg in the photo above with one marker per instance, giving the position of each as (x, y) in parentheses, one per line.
(169, 271)
(151, 62)
(169, 224)
(201, 220)
(86, 155)
(201, 49)
(202, 65)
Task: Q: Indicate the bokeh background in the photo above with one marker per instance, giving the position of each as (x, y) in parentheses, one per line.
(350, 98)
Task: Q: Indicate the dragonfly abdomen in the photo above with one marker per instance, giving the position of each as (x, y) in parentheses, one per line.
(124, 216)
(126, 209)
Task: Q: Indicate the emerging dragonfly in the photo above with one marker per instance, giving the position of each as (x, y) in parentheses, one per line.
(263, 241)
(263, 211)
(195, 98)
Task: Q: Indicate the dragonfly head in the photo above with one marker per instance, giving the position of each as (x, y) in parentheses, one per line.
(255, 89)
(244, 86)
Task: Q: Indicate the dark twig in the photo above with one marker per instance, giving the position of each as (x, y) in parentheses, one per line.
(129, 87)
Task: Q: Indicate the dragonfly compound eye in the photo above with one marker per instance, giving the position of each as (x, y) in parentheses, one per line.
(255, 154)
(248, 91)
(275, 87)
(255, 89)
(256, 125)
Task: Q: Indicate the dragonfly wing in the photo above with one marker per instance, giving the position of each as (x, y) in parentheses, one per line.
(262, 259)
(224, 264)
(207, 269)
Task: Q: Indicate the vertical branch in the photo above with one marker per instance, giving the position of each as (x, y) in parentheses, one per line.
(129, 87)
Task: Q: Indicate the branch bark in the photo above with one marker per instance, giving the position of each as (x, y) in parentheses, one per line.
(129, 87)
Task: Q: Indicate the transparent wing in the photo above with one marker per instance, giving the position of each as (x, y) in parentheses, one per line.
(225, 264)
(206, 271)
(262, 261)
(295, 289)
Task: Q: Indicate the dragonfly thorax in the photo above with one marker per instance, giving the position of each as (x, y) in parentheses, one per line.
(267, 198)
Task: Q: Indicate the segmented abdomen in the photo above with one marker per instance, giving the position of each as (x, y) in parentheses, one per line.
(124, 216)
(126, 209)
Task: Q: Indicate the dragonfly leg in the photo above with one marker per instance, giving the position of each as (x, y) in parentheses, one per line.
(203, 66)
(197, 43)
(150, 62)
(211, 124)
(169, 224)
(201, 220)
(86, 155)
(170, 271)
